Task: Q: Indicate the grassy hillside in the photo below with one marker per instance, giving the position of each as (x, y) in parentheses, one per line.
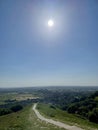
(24, 120)
(16, 121)
(57, 114)
(27, 120)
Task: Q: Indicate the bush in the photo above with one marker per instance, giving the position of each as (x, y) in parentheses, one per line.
(72, 108)
(4, 111)
(51, 106)
(16, 108)
(93, 116)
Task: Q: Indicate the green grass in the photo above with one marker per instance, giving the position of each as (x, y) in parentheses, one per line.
(63, 116)
(24, 120)
(27, 120)
(14, 121)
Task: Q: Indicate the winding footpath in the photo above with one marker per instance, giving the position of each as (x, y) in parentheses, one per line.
(56, 123)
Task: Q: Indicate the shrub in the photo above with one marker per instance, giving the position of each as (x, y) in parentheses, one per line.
(16, 108)
(72, 108)
(4, 111)
(93, 116)
(51, 106)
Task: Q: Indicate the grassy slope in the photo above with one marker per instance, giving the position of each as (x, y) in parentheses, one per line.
(63, 116)
(24, 120)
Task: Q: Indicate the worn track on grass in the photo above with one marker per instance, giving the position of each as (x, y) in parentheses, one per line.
(56, 123)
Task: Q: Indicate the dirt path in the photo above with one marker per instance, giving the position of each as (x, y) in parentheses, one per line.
(57, 123)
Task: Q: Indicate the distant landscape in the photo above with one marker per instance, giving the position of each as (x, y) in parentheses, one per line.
(76, 106)
(48, 64)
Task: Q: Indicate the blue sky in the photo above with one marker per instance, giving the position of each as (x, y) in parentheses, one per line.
(32, 54)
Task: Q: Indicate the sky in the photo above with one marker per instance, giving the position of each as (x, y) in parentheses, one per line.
(34, 54)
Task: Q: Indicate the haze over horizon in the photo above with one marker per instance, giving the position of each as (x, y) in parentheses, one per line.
(34, 54)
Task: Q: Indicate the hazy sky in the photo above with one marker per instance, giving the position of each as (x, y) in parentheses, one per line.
(33, 54)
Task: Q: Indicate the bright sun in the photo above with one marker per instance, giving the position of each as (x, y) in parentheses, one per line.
(50, 23)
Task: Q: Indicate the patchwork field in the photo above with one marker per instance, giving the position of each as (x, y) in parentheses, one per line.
(10, 97)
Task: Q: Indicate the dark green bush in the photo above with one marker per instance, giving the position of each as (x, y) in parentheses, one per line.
(16, 108)
(93, 116)
(4, 111)
(51, 106)
(72, 108)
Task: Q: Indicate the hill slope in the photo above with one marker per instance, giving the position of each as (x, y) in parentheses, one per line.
(24, 120)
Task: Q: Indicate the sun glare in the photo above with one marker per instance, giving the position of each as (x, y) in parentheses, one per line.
(50, 23)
